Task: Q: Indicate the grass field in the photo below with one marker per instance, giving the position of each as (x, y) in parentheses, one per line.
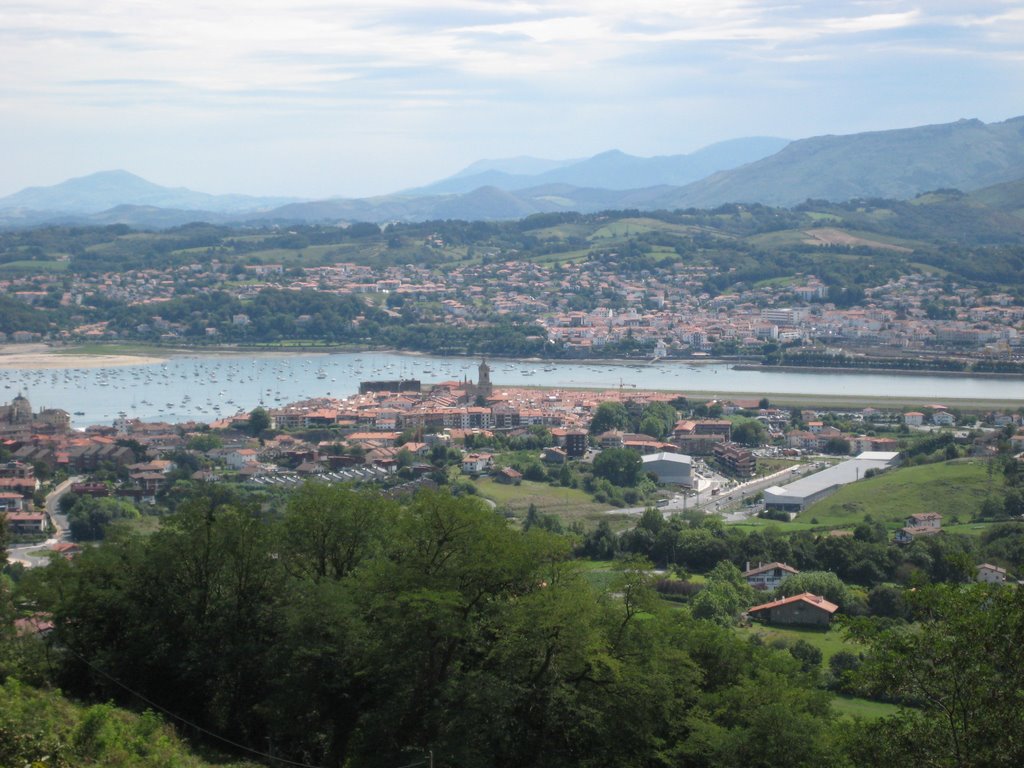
(770, 466)
(952, 488)
(756, 523)
(971, 529)
(634, 226)
(863, 708)
(829, 642)
(568, 504)
(34, 266)
(142, 350)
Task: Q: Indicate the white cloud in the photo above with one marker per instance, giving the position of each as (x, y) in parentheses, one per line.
(484, 70)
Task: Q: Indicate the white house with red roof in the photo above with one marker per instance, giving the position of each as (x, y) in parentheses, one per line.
(768, 576)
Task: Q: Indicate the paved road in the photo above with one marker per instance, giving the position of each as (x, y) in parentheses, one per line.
(727, 498)
(734, 497)
(32, 555)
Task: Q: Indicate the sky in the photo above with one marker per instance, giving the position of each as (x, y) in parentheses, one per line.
(317, 98)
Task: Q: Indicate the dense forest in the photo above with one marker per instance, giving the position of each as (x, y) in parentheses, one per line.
(355, 630)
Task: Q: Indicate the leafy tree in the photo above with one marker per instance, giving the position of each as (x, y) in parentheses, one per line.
(565, 475)
(356, 630)
(808, 655)
(843, 667)
(620, 466)
(89, 517)
(750, 432)
(837, 446)
(652, 426)
(534, 471)
(725, 595)
(5, 539)
(822, 583)
(1013, 503)
(652, 520)
(259, 421)
(601, 543)
(609, 416)
(207, 441)
(887, 601)
(658, 419)
(328, 530)
(956, 672)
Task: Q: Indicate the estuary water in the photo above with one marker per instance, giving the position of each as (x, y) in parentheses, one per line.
(207, 387)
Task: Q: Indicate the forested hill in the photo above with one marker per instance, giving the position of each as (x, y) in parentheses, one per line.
(900, 164)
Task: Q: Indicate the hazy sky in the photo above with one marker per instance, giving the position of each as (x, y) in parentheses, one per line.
(322, 97)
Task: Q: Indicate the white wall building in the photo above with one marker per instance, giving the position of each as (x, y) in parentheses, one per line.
(670, 468)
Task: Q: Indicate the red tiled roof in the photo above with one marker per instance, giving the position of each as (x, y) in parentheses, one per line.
(805, 597)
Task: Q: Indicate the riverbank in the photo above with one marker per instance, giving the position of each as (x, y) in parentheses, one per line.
(821, 401)
(127, 353)
(876, 371)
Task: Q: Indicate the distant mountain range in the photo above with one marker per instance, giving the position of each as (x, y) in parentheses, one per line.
(899, 164)
(608, 170)
(967, 155)
(104, 190)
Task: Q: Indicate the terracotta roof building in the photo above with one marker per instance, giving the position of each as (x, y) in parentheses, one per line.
(804, 609)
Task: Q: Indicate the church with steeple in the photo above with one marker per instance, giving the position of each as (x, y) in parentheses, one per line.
(483, 387)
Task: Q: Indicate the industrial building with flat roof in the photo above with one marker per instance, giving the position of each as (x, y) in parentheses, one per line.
(670, 468)
(800, 494)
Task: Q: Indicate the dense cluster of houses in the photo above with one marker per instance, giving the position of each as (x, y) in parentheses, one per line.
(668, 309)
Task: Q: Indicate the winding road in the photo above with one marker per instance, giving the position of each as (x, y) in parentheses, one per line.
(32, 555)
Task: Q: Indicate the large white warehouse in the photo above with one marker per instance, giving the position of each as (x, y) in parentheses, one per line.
(670, 468)
(800, 494)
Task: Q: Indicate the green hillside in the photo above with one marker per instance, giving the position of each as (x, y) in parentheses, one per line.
(1007, 197)
(953, 488)
(900, 164)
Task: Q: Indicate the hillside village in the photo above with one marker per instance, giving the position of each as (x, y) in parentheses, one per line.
(627, 297)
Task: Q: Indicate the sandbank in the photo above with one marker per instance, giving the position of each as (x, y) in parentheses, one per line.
(44, 356)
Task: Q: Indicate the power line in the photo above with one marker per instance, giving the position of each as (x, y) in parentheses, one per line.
(189, 723)
(428, 762)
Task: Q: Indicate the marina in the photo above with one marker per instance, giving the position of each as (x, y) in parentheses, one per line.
(208, 387)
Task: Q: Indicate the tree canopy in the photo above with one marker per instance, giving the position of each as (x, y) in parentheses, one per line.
(355, 631)
(609, 416)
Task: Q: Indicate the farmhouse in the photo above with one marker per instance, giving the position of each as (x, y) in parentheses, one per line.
(921, 524)
(769, 576)
(804, 610)
(475, 463)
(991, 574)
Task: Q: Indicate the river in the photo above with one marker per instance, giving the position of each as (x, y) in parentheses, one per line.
(208, 386)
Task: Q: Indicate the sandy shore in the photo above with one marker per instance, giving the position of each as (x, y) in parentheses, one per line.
(43, 356)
